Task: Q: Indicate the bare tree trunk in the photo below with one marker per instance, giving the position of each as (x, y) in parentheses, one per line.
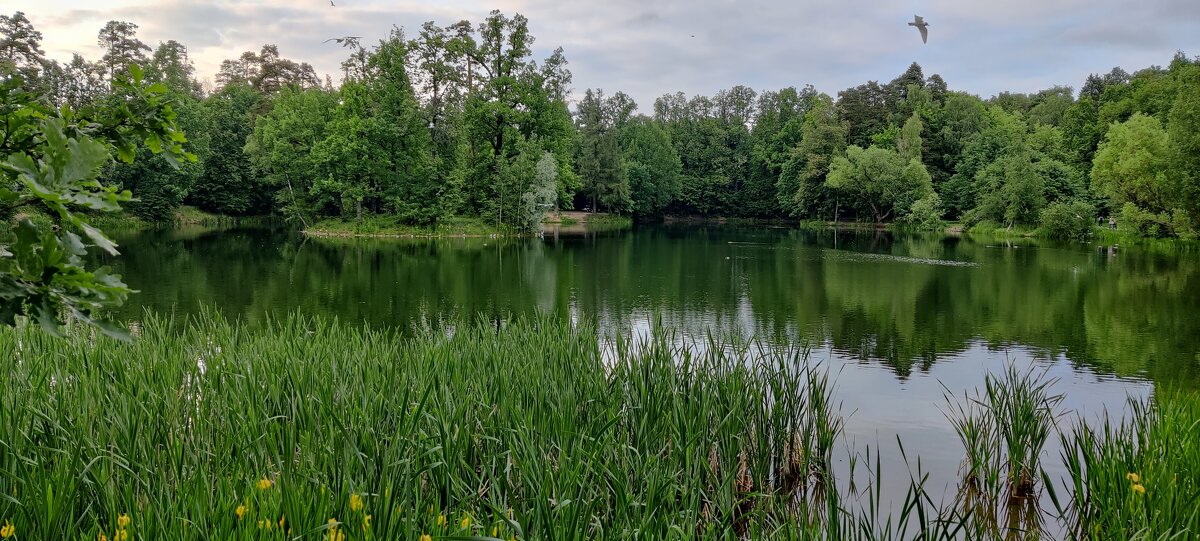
(294, 204)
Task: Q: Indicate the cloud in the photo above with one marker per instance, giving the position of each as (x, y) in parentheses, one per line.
(647, 48)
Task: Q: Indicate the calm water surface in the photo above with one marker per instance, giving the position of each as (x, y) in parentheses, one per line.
(895, 318)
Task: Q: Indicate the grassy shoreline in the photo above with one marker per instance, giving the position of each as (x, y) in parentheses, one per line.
(213, 430)
(387, 227)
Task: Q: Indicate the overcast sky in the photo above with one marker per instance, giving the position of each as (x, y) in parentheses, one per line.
(646, 47)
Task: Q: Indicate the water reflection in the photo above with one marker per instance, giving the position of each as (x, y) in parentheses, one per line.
(905, 302)
(896, 319)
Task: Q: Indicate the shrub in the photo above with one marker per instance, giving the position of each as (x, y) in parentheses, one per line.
(1143, 222)
(926, 213)
(1068, 221)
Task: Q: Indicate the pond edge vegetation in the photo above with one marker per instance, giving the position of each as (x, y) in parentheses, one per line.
(534, 428)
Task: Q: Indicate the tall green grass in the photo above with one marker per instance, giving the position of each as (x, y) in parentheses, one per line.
(1004, 430)
(1138, 477)
(206, 430)
(308, 428)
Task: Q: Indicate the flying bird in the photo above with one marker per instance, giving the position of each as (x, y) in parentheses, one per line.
(921, 25)
(348, 41)
(332, 4)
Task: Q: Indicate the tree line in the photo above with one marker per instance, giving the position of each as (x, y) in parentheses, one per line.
(461, 120)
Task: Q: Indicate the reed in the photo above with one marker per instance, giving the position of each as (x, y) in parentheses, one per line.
(1135, 477)
(307, 428)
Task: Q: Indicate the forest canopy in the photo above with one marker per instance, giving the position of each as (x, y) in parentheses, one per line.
(463, 120)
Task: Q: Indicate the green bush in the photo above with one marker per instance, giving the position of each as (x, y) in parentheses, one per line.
(926, 213)
(1068, 221)
(1181, 224)
(1143, 222)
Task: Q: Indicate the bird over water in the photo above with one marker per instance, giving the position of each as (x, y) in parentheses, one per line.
(921, 25)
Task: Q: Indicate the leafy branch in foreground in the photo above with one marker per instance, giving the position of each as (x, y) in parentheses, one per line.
(49, 162)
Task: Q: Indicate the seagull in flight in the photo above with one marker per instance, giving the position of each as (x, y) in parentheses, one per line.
(348, 41)
(921, 25)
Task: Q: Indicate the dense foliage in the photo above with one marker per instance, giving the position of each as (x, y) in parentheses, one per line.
(304, 429)
(49, 163)
(455, 121)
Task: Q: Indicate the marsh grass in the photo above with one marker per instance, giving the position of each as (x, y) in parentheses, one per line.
(1004, 429)
(309, 428)
(1136, 477)
(204, 429)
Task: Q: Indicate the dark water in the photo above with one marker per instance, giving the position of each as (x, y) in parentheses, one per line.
(898, 319)
(904, 304)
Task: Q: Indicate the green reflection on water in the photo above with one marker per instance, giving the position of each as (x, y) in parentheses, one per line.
(905, 301)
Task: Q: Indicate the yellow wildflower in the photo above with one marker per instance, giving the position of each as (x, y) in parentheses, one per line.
(281, 522)
(1137, 487)
(356, 502)
(263, 483)
(241, 510)
(495, 531)
(510, 513)
(334, 533)
(441, 520)
(465, 522)
(261, 524)
(123, 521)
(101, 537)
(425, 537)
(367, 522)
(121, 535)
(8, 530)
(1133, 477)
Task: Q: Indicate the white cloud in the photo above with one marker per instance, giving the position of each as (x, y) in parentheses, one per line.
(647, 48)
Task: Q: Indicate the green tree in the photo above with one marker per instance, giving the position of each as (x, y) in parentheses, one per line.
(171, 66)
(598, 157)
(50, 158)
(801, 187)
(652, 166)
(161, 184)
(864, 108)
(1050, 106)
(778, 128)
(1010, 191)
(77, 83)
(403, 139)
(542, 193)
(1068, 221)
(281, 147)
(21, 49)
(909, 142)
(511, 105)
(881, 179)
(267, 71)
(1183, 129)
(121, 48)
(1131, 164)
(227, 184)
(999, 134)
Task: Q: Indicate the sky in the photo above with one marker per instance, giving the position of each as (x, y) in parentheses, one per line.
(650, 47)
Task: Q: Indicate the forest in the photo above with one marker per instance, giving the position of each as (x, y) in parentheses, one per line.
(462, 120)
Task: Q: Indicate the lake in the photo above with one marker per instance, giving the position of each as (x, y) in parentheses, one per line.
(898, 320)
